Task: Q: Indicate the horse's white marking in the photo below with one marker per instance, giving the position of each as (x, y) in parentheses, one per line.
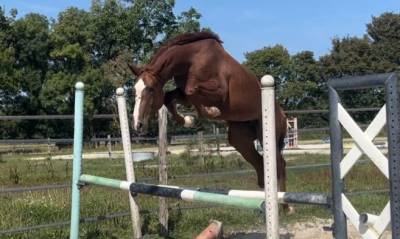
(189, 121)
(139, 87)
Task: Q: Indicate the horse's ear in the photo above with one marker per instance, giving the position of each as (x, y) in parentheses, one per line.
(135, 69)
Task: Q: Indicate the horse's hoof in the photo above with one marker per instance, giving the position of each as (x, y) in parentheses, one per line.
(189, 121)
(213, 111)
(261, 183)
(291, 210)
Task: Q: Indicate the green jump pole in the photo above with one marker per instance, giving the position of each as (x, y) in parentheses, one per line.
(76, 165)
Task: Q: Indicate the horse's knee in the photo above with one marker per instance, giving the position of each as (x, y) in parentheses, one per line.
(233, 141)
(281, 167)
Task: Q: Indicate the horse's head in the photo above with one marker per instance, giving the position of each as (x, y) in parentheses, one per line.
(149, 97)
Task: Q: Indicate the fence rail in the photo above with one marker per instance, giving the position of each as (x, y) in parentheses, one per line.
(53, 117)
(176, 138)
(114, 116)
(70, 140)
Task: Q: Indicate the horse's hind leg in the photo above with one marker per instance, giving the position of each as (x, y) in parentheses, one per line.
(242, 136)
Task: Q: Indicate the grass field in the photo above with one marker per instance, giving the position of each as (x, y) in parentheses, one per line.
(42, 207)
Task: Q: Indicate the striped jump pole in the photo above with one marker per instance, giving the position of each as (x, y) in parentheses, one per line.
(269, 155)
(76, 165)
(159, 190)
(176, 192)
(283, 197)
(130, 173)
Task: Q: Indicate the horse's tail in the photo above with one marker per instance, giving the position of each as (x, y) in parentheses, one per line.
(281, 127)
(281, 142)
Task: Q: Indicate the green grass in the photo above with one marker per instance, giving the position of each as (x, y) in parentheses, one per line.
(54, 205)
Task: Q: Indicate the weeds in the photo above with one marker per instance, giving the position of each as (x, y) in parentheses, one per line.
(50, 169)
(53, 206)
(14, 175)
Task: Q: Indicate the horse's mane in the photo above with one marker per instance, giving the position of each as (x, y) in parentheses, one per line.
(192, 37)
(183, 39)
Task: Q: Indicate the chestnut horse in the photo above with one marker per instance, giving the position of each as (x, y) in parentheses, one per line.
(220, 88)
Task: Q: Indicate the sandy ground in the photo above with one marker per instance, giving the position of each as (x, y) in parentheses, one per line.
(313, 229)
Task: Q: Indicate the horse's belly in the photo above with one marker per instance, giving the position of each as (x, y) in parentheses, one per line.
(206, 100)
(240, 115)
(229, 112)
(242, 108)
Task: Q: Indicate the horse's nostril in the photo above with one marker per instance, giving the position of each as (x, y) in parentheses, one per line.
(139, 126)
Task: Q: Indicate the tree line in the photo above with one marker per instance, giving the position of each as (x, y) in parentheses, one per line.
(42, 58)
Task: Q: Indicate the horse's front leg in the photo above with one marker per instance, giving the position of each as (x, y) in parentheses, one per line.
(210, 112)
(173, 97)
(194, 87)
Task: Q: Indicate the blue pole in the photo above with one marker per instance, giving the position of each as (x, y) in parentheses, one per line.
(76, 165)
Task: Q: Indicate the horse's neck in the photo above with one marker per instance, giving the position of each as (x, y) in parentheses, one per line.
(168, 65)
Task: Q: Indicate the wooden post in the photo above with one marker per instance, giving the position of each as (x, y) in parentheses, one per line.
(129, 168)
(218, 146)
(296, 134)
(200, 140)
(162, 168)
(95, 141)
(49, 147)
(109, 147)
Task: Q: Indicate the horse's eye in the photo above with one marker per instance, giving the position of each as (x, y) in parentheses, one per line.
(150, 90)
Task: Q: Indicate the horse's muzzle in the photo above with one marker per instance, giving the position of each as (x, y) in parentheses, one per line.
(141, 129)
(139, 126)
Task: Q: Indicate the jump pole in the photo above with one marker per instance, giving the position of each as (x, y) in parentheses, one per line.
(176, 192)
(269, 155)
(77, 155)
(157, 190)
(130, 173)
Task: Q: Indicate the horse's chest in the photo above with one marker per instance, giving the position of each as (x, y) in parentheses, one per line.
(207, 92)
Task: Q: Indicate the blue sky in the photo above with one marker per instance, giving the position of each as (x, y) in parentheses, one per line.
(249, 25)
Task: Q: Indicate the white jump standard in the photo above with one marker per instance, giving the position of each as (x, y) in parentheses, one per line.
(369, 226)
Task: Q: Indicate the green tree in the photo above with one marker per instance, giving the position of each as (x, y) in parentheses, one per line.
(32, 47)
(8, 75)
(109, 29)
(72, 41)
(40, 62)
(303, 88)
(273, 61)
(24, 54)
(149, 22)
(385, 34)
(350, 56)
(188, 21)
